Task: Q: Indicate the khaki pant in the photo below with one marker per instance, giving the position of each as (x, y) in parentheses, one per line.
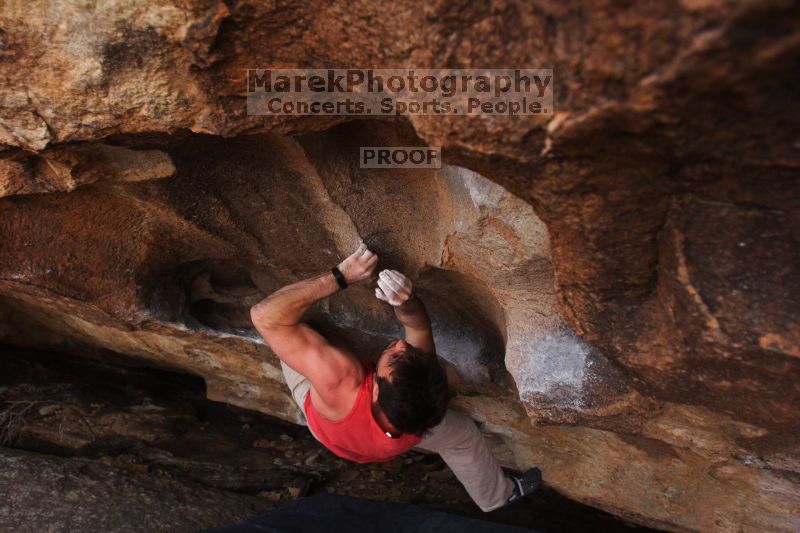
(456, 439)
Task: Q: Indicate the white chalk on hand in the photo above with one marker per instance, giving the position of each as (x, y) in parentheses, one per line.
(392, 286)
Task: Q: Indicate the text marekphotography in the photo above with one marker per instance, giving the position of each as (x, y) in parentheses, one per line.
(400, 92)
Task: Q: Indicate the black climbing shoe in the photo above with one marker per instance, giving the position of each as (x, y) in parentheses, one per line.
(525, 484)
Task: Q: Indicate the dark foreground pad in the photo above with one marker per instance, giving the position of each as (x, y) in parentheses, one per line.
(344, 514)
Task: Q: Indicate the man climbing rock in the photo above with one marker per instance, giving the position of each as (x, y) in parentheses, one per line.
(368, 413)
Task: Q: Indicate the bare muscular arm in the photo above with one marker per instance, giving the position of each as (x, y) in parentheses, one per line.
(395, 289)
(278, 319)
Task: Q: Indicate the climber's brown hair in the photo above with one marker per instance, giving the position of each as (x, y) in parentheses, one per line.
(415, 398)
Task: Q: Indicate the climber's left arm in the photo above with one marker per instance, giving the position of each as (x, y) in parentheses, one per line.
(278, 319)
(286, 306)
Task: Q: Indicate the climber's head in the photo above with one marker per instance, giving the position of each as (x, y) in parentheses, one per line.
(411, 388)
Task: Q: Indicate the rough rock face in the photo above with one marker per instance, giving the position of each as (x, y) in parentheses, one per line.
(618, 286)
(63, 492)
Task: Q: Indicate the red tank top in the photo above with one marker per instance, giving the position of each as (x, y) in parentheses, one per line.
(357, 436)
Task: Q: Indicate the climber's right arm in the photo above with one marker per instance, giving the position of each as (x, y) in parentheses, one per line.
(395, 289)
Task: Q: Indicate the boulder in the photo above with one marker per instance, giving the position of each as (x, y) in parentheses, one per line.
(616, 286)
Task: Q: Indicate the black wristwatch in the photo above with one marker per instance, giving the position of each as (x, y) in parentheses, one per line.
(337, 274)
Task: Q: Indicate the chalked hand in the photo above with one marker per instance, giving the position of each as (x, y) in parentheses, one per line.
(393, 287)
(359, 265)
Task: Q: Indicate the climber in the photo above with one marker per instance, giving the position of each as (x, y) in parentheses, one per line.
(368, 413)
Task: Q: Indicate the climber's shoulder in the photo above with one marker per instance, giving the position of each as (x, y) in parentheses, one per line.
(334, 396)
(335, 401)
(331, 370)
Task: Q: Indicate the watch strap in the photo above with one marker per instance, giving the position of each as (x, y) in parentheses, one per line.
(337, 274)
